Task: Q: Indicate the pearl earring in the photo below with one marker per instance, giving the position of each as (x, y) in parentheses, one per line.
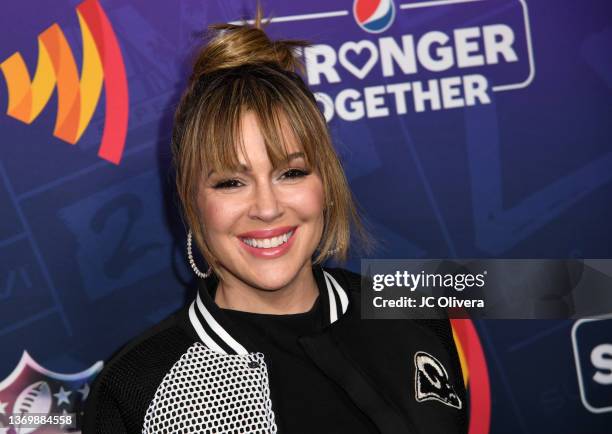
(192, 262)
(333, 251)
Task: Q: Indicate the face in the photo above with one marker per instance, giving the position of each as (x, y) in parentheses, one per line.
(262, 223)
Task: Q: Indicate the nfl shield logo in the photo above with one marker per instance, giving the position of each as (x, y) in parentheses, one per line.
(32, 389)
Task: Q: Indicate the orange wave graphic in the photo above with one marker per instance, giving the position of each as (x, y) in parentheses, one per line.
(77, 97)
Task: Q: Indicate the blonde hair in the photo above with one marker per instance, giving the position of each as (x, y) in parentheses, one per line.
(241, 69)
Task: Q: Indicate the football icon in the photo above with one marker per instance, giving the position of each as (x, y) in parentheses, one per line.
(36, 398)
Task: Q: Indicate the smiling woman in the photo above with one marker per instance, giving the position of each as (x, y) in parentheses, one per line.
(273, 341)
(242, 80)
(262, 224)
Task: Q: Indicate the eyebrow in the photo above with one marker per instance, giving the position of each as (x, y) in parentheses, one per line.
(295, 155)
(243, 168)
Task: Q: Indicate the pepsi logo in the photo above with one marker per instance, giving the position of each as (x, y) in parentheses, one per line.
(374, 16)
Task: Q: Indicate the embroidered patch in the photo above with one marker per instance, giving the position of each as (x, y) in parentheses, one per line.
(431, 381)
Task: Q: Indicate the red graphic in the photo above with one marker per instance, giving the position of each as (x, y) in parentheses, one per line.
(77, 97)
(476, 374)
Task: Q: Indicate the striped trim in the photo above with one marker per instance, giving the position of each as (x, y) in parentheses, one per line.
(341, 307)
(210, 331)
(226, 349)
(197, 325)
(333, 309)
(218, 339)
(220, 331)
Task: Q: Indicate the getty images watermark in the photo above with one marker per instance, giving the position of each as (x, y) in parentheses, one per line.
(486, 288)
(416, 281)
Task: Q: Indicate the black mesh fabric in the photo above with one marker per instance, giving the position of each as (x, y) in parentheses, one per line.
(122, 392)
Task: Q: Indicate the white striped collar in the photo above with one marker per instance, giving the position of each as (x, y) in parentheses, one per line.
(206, 318)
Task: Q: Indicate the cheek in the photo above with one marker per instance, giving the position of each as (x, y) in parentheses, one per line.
(309, 201)
(217, 214)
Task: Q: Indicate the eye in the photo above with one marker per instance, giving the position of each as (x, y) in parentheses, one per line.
(227, 184)
(294, 173)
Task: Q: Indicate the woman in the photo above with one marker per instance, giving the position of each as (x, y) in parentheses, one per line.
(273, 342)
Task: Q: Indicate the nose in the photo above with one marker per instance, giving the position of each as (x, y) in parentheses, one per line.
(266, 205)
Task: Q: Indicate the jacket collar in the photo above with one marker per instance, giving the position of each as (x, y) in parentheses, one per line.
(218, 333)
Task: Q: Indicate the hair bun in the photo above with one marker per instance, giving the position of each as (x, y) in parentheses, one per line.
(233, 45)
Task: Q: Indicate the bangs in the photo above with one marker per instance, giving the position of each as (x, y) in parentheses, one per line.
(285, 118)
(239, 71)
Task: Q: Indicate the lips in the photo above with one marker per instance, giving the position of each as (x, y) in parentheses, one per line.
(267, 233)
(268, 243)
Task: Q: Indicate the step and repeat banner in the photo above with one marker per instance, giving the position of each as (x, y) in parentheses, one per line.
(467, 128)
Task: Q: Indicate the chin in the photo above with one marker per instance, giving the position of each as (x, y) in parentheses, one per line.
(271, 275)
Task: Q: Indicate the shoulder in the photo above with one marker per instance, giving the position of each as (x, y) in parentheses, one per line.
(127, 384)
(157, 343)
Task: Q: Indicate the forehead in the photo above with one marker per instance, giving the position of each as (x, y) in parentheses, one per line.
(255, 141)
(250, 140)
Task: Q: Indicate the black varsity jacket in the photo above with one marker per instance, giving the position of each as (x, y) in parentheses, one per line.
(196, 372)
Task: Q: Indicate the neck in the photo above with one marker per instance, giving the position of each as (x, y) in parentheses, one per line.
(297, 296)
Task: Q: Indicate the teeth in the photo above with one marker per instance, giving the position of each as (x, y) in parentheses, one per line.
(266, 243)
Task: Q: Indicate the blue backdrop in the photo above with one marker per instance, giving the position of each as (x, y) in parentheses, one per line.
(466, 128)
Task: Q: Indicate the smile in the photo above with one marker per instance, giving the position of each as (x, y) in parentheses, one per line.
(266, 243)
